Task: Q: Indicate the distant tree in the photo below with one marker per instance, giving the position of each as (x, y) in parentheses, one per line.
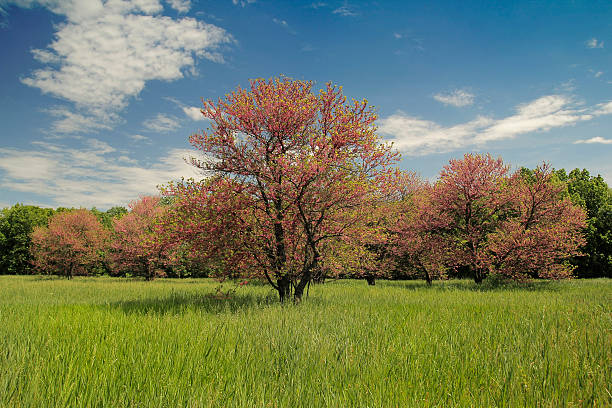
(291, 163)
(16, 226)
(541, 233)
(107, 217)
(594, 195)
(72, 244)
(420, 250)
(513, 225)
(135, 247)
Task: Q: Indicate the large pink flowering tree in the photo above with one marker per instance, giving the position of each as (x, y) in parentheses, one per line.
(290, 169)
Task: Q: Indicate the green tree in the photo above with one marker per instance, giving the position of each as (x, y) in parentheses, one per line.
(16, 226)
(106, 217)
(594, 195)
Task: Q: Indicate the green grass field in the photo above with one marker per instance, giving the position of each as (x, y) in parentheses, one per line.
(121, 343)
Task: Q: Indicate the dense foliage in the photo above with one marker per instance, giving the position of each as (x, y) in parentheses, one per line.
(594, 195)
(292, 172)
(135, 248)
(72, 244)
(299, 188)
(16, 226)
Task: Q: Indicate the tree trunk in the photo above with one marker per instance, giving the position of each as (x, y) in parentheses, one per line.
(371, 280)
(427, 278)
(478, 277)
(284, 288)
(299, 289)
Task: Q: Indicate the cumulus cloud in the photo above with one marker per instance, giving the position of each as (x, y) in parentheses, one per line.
(162, 123)
(105, 52)
(458, 98)
(182, 6)
(416, 136)
(193, 112)
(594, 43)
(592, 140)
(92, 175)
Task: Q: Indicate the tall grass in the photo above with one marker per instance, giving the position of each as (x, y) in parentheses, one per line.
(119, 343)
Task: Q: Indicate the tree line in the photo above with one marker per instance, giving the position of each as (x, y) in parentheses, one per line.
(299, 189)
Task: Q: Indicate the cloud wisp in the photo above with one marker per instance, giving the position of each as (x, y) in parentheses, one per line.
(594, 140)
(594, 43)
(93, 175)
(458, 98)
(418, 137)
(105, 52)
(162, 123)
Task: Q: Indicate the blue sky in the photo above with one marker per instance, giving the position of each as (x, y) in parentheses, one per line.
(98, 98)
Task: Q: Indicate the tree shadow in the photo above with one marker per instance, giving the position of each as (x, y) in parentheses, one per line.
(485, 286)
(211, 302)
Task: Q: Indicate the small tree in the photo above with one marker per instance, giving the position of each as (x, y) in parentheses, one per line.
(16, 226)
(416, 243)
(542, 230)
(71, 245)
(298, 161)
(135, 247)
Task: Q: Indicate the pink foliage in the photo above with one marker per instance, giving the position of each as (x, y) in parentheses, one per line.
(483, 219)
(292, 168)
(71, 244)
(136, 248)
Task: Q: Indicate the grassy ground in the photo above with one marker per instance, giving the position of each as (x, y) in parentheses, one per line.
(120, 343)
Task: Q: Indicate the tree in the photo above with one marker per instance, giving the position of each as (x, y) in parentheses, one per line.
(513, 225)
(291, 164)
(107, 217)
(543, 229)
(135, 248)
(594, 195)
(16, 226)
(415, 242)
(72, 244)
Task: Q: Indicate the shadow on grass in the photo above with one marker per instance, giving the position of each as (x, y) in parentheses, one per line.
(176, 303)
(486, 286)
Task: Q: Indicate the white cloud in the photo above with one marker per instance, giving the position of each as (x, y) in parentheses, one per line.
(242, 3)
(162, 123)
(193, 112)
(318, 5)
(594, 43)
(598, 74)
(280, 22)
(71, 122)
(182, 6)
(283, 24)
(140, 138)
(345, 11)
(90, 176)
(597, 139)
(603, 108)
(458, 98)
(419, 137)
(105, 52)
(416, 136)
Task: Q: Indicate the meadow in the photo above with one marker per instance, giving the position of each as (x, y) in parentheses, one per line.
(128, 343)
